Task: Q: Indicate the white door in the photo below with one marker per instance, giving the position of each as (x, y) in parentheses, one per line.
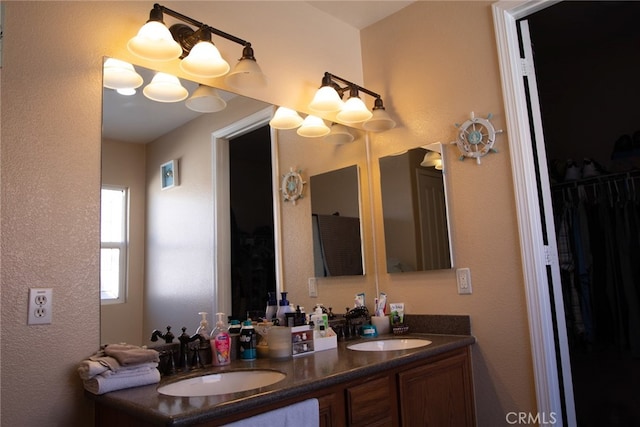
(548, 225)
(550, 353)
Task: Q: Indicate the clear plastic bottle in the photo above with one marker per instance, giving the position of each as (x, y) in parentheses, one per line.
(248, 343)
(220, 343)
(203, 329)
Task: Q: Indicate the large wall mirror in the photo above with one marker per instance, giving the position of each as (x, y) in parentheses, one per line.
(335, 210)
(170, 228)
(170, 231)
(414, 203)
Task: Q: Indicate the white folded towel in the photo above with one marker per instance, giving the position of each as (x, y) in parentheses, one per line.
(101, 384)
(305, 413)
(90, 368)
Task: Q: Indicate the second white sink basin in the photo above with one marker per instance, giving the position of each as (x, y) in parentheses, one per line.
(223, 383)
(389, 344)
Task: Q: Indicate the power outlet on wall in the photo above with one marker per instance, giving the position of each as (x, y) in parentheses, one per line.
(40, 306)
(463, 276)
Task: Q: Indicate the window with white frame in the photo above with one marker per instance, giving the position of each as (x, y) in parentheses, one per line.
(114, 242)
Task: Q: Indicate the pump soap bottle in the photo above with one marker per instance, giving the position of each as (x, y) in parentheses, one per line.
(283, 309)
(203, 329)
(220, 343)
(272, 307)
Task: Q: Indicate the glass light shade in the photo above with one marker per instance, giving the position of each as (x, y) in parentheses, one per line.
(439, 165)
(339, 134)
(313, 127)
(154, 42)
(326, 100)
(205, 99)
(285, 118)
(246, 74)
(120, 75)
(205, 60)
(354, 111)
(126, 91)
(379, 122)
(431, 159)
(165, 88)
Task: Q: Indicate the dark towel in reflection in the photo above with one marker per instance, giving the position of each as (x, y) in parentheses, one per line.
(341, 245)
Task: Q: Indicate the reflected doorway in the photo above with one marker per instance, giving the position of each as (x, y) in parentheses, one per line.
(253, 271)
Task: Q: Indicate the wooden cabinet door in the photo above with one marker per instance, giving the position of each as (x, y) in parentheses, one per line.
(373, 403)
(438, 394)
(331, 409)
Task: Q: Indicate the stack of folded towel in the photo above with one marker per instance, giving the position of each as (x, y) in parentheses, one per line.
(119, 366)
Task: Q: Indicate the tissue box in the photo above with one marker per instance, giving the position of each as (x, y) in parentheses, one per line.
(325, 343)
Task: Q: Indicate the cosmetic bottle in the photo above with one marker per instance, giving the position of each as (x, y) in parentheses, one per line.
(220, 343)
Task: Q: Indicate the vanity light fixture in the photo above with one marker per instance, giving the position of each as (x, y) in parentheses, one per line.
(285, 118)
(432, 159)
(206, 99)
(313, 127)
(165, 88)
(199, 55)
(328, 99)
(121, 76)
(339, 134)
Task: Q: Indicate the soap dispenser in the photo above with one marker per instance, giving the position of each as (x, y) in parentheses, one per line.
(272, 307)
(220, 343)
(283, 308)
(203, 329)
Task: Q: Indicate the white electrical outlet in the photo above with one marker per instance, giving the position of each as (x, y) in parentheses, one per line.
(313, 287)
(40, 306)
(464, 280)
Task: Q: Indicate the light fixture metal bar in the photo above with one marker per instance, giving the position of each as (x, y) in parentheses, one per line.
(353, 85)
(199, 24)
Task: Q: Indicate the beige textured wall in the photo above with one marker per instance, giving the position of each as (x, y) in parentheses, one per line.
(436, 62)
(51, 115)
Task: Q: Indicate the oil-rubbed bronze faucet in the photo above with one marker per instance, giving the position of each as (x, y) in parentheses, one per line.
(167, 336)
(185, 339)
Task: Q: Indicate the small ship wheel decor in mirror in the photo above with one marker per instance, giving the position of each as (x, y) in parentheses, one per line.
(292, 186)
(476, 137)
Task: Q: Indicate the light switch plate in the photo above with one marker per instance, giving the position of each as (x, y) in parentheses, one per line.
(313, 287)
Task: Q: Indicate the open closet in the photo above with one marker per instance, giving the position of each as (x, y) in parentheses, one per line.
(587, 58)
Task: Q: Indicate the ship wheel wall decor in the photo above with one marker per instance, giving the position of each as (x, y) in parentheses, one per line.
(476, 137)
(292, 186)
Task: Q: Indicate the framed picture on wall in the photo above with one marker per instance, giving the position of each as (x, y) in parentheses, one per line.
(169, 174)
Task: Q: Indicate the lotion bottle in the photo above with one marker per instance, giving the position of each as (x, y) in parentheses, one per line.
(220, 343)
(283, 309)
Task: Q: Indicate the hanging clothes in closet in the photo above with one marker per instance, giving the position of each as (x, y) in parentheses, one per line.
(598, 232)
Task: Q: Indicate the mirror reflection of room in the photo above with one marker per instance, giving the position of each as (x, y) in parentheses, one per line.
(416, 226)
(170, 232)
(335, 208)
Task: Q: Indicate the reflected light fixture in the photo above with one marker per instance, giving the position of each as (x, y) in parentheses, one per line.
(328, 99)
(199, 55)
(339, 134)
(285, 118)
(165, 88)
(313, 127)
(206, 99)
(120, 75)
(432, 159)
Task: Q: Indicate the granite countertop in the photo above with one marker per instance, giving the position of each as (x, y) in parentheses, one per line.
(305, 373)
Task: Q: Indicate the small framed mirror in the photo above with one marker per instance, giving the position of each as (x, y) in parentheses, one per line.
(337, 234)
(415, 214)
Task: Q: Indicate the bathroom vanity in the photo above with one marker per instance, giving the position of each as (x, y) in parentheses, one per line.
(430, 385)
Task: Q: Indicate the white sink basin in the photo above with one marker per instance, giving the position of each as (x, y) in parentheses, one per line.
(223, 383)
(389, 345)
